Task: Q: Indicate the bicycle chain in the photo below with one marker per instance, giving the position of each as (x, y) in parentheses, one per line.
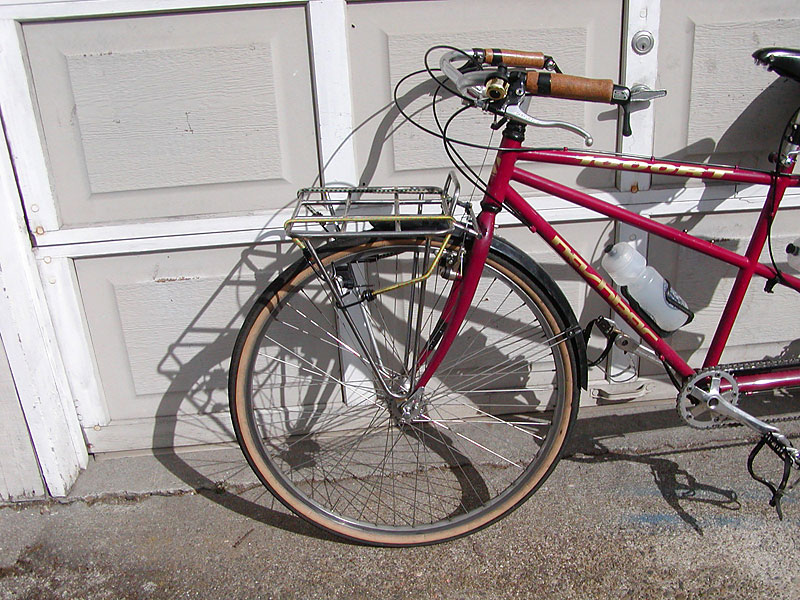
(757, 365)
(730, 423)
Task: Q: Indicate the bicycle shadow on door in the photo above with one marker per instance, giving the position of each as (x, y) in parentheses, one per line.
(193, 409)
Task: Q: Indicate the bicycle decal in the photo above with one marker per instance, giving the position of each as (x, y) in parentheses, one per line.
(608, 162)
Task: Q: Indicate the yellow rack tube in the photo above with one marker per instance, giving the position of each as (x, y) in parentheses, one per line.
(422, 277)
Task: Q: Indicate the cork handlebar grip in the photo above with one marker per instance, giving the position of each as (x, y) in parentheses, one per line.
(512, 58)
(571, 87)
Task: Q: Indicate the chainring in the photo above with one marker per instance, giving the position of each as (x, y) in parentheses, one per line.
(693, 410)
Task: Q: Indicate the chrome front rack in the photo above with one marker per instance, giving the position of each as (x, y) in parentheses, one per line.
(332, 213)
(329, 213)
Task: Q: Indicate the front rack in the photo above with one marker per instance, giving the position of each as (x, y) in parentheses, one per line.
(331, 213)
(381, 212)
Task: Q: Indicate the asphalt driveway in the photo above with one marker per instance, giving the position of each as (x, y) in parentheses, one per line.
(641, 507)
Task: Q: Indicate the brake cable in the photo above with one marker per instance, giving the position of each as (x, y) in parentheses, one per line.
(610, 339)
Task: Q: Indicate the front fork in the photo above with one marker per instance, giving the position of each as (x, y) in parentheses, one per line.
(356, 328)
(464, 287)
(463, 290)
(461, 294)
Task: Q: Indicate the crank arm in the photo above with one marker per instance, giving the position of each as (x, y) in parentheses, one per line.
(628, 344)
(624, 342)
(717, 404)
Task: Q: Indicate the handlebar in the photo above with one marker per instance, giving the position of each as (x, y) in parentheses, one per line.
(570, 87)
(510, 58)
(515, 73)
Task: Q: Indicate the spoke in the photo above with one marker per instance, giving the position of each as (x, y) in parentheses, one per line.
(328, 376)
(375, 469)
(441, 295)
(338, 345)
(447, 368)
(499, 346)
(456, 463)
(396, 485)
(494, 420)
(497, 317)
(494, 391)
(315, 433)
(339, 342)
(317, 303)
(491, 375)
(386, 424)
(481, 446)
(465, 421)
(300, 381)
(387, 336)
(473, 381)
(345, 446)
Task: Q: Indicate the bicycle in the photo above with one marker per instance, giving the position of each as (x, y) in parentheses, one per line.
(413, 377)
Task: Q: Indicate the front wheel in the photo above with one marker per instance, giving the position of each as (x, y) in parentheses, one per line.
(324, 435)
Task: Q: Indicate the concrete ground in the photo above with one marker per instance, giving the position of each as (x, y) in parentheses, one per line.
(641, 507)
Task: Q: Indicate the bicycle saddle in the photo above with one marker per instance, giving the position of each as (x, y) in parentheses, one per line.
(783, 61)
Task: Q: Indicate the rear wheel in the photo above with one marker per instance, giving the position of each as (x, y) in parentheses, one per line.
(326, 438)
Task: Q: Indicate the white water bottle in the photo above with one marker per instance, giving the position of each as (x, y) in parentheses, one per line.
(646, 286)
(793, 254)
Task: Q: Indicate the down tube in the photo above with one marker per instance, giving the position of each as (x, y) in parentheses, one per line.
(538, 224)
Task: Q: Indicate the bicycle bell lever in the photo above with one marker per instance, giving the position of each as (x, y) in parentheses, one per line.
(515, 112)
(642, 93)
(638, 93)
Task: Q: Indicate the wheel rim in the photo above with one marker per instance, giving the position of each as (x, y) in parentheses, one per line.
(480, 438)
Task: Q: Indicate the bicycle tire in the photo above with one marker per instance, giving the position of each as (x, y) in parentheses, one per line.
(332, 447)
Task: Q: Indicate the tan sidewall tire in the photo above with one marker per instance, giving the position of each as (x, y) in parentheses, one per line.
(251, 448)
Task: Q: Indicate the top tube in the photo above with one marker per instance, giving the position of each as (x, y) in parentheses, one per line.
(623, 162)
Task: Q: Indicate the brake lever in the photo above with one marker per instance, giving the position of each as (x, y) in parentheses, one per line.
(515, 112)
(472, 86)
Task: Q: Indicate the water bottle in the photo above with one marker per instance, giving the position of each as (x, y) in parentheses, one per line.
(793, 254)
(646, 287)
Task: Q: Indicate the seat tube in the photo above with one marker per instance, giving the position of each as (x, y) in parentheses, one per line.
(465, 289)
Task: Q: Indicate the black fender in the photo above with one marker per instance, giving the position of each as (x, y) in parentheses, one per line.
(561, 304)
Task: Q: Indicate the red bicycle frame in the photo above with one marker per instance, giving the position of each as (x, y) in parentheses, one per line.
(500, 193)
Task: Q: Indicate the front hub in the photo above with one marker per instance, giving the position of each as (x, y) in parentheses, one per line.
(409, 410)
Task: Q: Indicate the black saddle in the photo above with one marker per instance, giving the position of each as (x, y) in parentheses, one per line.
(783, 61)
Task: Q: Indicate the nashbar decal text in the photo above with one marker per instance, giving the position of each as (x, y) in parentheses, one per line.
(659, 168)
